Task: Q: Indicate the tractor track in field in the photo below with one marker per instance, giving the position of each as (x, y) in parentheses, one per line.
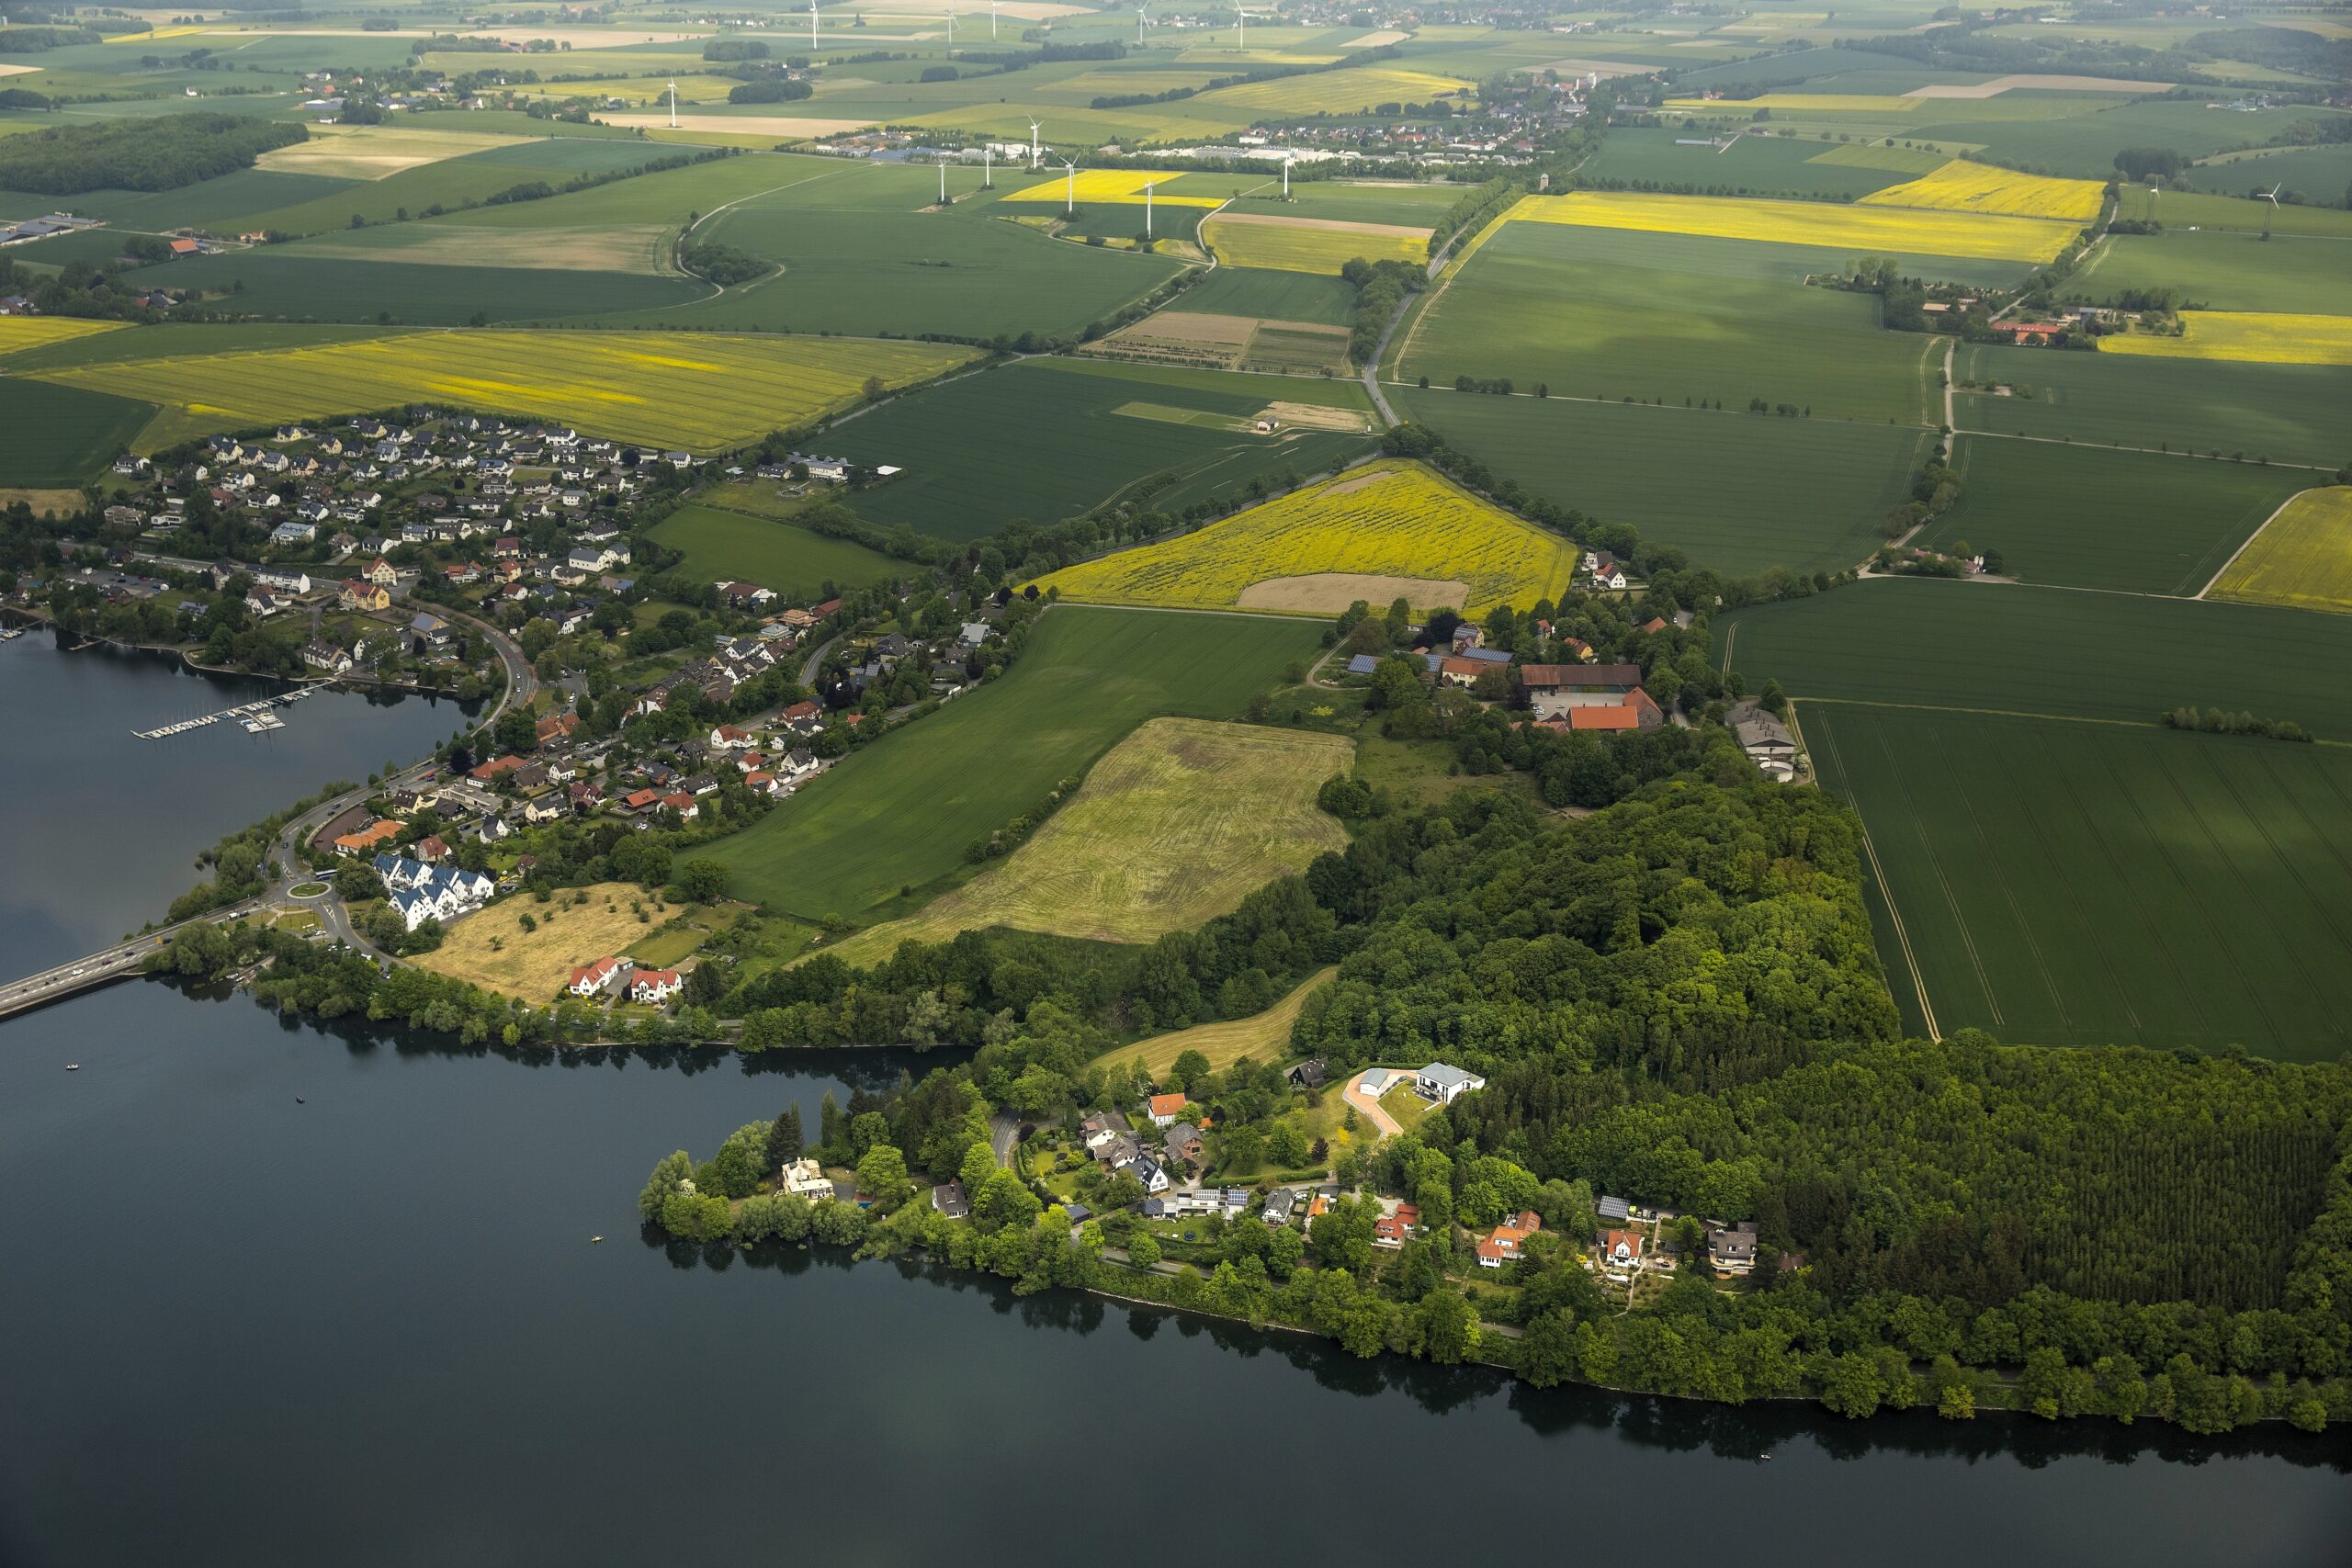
(1885, 888)
(2009, 897)
(1935, 862)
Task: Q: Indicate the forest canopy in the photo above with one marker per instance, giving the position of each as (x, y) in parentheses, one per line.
(128, 154)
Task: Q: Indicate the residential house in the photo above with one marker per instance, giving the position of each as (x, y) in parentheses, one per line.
(1183, 1143)
(950, 1199)
(1506, 1243)
(1550, 690)
(1731, 1249)
(1620, 1252)
(1442, 1084)
(381, 572)
(806, 1178)
(654, 986)
(1280, 1204)
(1311, 1074)
(367, 838)
(1146, 1169)
(606, 975)
(326, 657)
(1393, 1231)
(1164, 1109)
(361, 594)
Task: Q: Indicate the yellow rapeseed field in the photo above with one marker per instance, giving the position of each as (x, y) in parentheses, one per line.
(2266, 336)
(1388, 528)
(695, 391)
(1854, 228)
(2302, 559)
(1112, 185)
(1962, 187)
(1307, 246)
(18, 333)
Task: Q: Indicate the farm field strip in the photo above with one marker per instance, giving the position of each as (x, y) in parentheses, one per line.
(2263, 337)
(1962, 187)
(901, 812)
(20, 334)
(1176, 825)
(2061, 883)
(1124, 186)
(1855, 227)
(2300, 559)
(700, 391)
(1379, 531)
(1307, 245)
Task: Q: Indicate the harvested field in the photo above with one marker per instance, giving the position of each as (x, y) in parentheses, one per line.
(1317, 416)
(2260, 336)
(1231, 342)
(374, 152)
(491, 949)
(1328, 592)
(1393, 519)
(1177, 824)
(1261, 1037)
(2302, 559)
(1292, 347)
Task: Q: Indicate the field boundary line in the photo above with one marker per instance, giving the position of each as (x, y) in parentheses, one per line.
(1730, 637)
(2144, 451)
(2009, 897)
(1935, 862)
(1410, 385)
(2292, 866)
(2250, 538)
(1885, 888)
(2002, 713)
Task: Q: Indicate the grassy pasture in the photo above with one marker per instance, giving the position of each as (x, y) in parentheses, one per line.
(2069, 884)
(1388, 528)
(1852, 228)
(2084, 517)
(2221, 270)
(535, 965)
(51, 437)
(1279, 246)
(2303, 558)
(217, 203)
(722, 544)
(2046, 651)
(1804, 494)
(1040, 439)
(1261, 1037)
(901, 811)
(2084, 146)
(2286, 413)
(1177, 824)
(1545, 304)
(701, 393)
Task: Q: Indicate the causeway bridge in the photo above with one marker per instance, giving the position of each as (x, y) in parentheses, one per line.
(101, 968)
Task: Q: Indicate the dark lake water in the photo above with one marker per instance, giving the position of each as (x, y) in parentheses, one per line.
(371, 1329)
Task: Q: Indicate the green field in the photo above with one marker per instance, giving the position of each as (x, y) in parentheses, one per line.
(1413, 207)
(2223, 271)
(1805, 494)
(2085, 145)
(1271, 295)
(1753, 166)
(282, 281)
(723, 544)
(1042, 439)
(1610, 314)
(171, 339)
(2183, 211)
(55, 437)
(1175, 826)
(1914, 642)
(2303, 557)
(2089, 518)
(454, 183)
(901, 811)
(2069, 884)
(2291, 413)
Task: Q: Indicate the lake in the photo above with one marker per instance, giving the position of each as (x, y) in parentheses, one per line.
(371, 1328)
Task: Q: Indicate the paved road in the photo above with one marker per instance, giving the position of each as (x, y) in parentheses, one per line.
(123, 958)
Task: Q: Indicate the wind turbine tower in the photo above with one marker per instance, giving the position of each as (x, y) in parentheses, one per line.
(942, 182)
(673, 103)
(1287, 162)
(1143, 21)
(1033, 146)
(951, 30)
(812, 23)
(2271, 195)
(991, 21)
(1241, 23)
(988, 165)
(1069, 191)
(1146, 210)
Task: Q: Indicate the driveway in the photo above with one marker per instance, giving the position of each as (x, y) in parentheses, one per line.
(1367, 1106)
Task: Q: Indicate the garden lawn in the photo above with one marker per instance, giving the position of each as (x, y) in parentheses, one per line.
(2303, 558)
(1919, 642)
(901, 812)
(1263, 1037)
(1385, 530)
(1176, 825)
(721, 544)
(1747, 492)
(2091, 518)
(2068, 883)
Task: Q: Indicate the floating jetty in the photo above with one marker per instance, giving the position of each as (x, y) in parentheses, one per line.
(256, 717)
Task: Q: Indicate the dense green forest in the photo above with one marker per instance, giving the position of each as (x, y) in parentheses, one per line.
(1676, 999)
(128, 154)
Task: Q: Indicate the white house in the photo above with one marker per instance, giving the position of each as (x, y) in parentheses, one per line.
(1443, 1084)
(654, 985)
(607, 974)
(806, 1178)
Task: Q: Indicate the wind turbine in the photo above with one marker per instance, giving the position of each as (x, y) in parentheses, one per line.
(673, 103)
(812, 23)
(1146, 210)
(2271, 196)
(1242, 24)
(1069, 193)
(1033, 146)
(1288, 157)
(991, 21)
(951, 28)
(942, 182)
(988, 165)
(1143, 21)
